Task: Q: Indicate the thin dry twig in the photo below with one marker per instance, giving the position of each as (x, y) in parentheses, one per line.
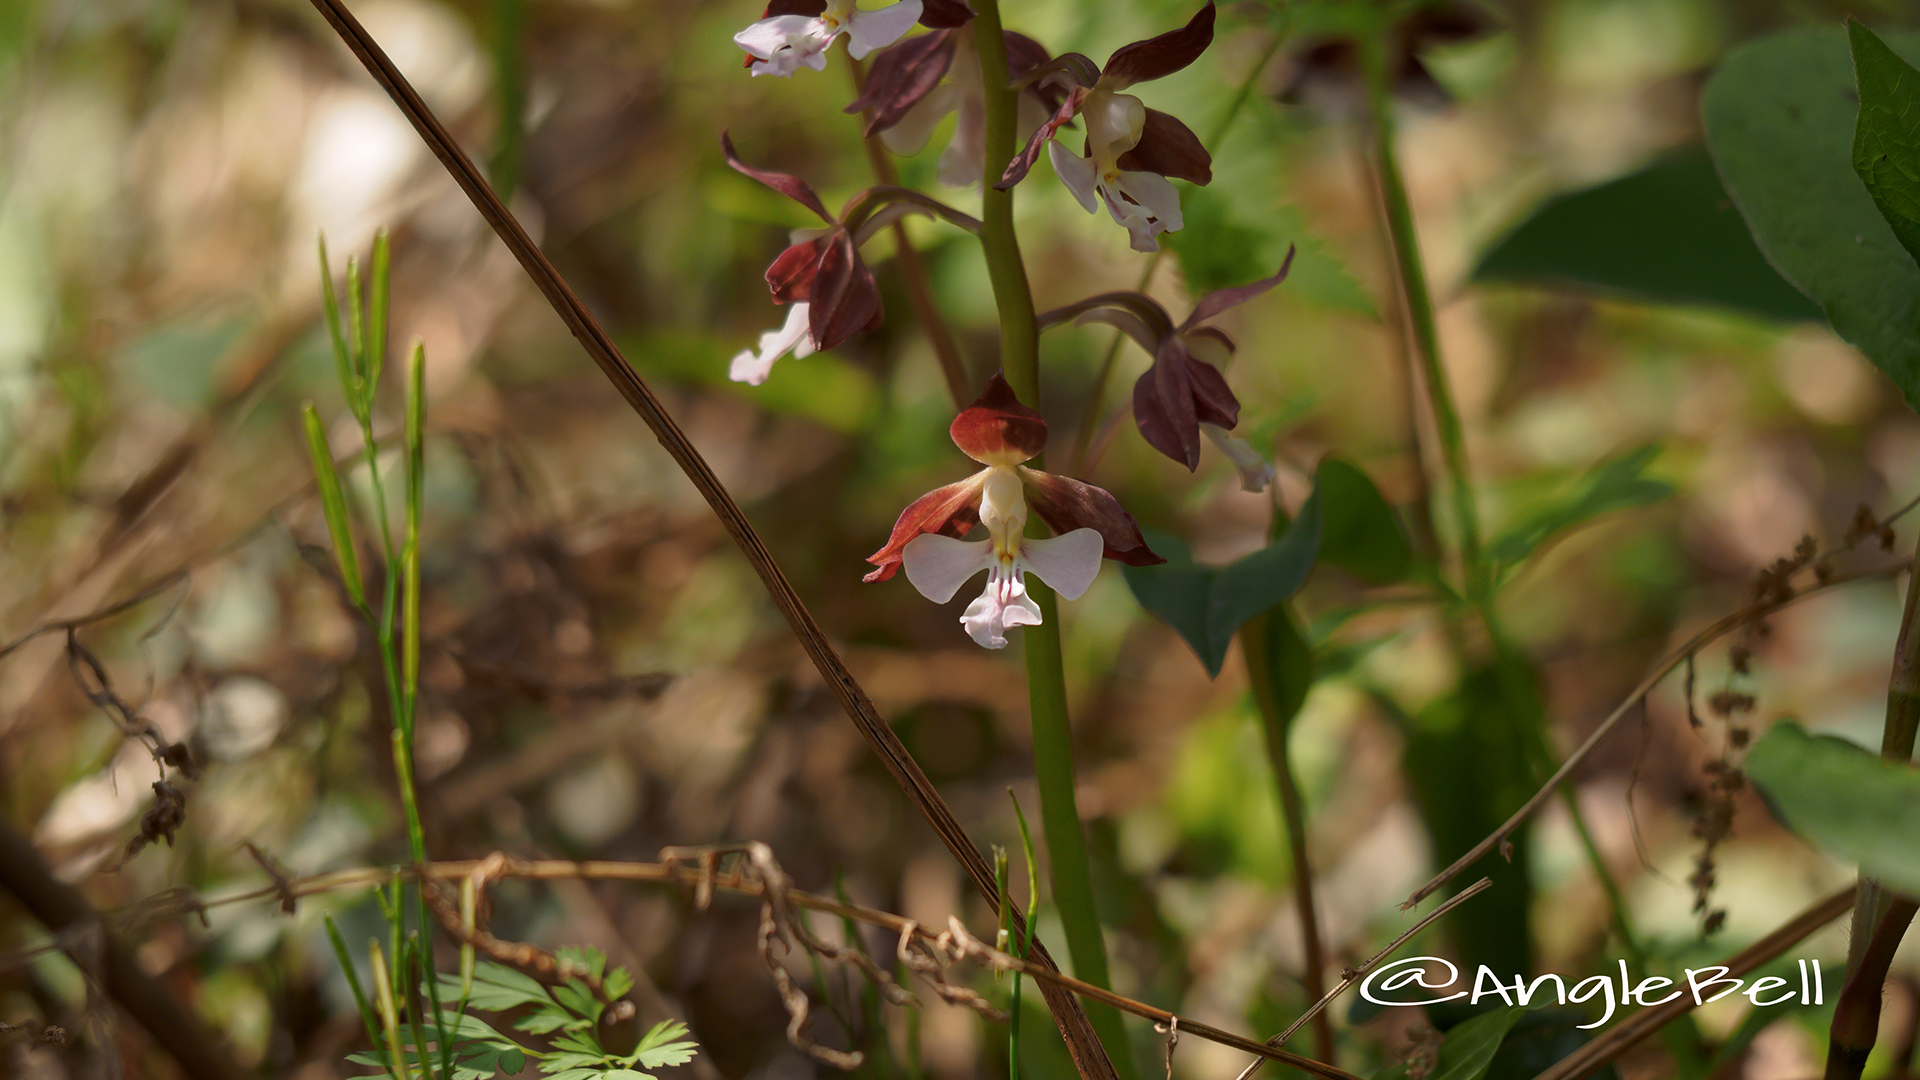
(1089, 1056)
(1679, 656)
(1353, 975)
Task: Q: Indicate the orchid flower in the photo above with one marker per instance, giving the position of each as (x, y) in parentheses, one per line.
(832, 292)
(1183, 393)
(796, 33)
(916, 83)
(1000, 433)
(1130, 150)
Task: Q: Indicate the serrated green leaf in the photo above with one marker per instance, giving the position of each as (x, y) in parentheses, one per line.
(625, 1074)
(470, 1027)
(585, 956)
(497, 988)
(1845, 799)
(542, 1022)
(1359, 532)
(657, 1048)
(575, 998)
(1886, 138)
(1779, 116)
(1666, 233)
(1613, 485)
(617, 983)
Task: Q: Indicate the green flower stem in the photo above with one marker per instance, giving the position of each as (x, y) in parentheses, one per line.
(1019, 331)
(1880, 919)
(1418, 301)
(1071, 874)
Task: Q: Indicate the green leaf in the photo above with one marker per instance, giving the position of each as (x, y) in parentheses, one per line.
(333, 505)
(471, 1028)
(1886, 139)
(617, 983)
(1208, 604)
(542, 1022)
(1359, 532)
(1613, 485)
(1470, 1047)
(657, 1048)
(1845, 799)
(497, 988)
(1778, 117)
(585, 956)
(512, 1061)
(1666, 233)
(576, 998)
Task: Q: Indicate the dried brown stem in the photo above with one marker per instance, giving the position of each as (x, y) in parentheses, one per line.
(1089, 1056)
(702, 877)
(1651, 1019)
(1675, 659)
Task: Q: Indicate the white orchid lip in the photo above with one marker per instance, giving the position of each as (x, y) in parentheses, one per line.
(938, 565)
(752, 366)
(781, 45)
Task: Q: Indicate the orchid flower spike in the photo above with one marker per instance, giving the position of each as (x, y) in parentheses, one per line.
(1184, 393)
(1131, 150)
(832, 292)
(1000, 433)
(796, 33)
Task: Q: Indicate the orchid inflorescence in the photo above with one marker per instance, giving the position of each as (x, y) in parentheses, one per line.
(1129, 156)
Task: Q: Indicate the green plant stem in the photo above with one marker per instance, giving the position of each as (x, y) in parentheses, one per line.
(1279, 700)
(1071, 873)
(1880, 918)
(1019, 331)
(1418, 305)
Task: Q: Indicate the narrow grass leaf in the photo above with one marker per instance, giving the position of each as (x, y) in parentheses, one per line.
(333, 506)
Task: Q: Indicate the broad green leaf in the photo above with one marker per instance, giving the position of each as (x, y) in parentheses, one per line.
(541, 1022)
(1359, 532)
(1847, 800)
(1666, 233)
(1614, 485)
(1886, 139)
(1469, 1046)
(1779, 116)
(1207, 604)
(469, 1027)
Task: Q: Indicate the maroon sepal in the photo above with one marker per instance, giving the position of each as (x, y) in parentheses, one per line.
(844, 297)
(1066, 504)
(952, 510)
(996, 429)
(1022, 163)
(901, 75)
(1174, 396)
(945, 14)
(790, 278)
(1159, 56)
(1170, 148)
(785, 183)
(1221, 299)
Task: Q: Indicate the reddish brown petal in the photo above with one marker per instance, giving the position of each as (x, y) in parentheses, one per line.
(1023, 53)
(996, 429)
(1066, 504)
(1170, 148)
(901, 75)
(950, 511)
(1213, 400)
(1163, 410)
(1022, 163)
(844, 298)
(945, 14)
(1159, 56)
(785, 183)
(1220, 300)
(791, 275)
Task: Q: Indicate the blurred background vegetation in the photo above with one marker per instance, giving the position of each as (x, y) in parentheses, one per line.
(602, 674)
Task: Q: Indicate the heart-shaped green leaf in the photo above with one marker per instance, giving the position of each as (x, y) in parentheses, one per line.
(1359, 532)
(1886, 139)
(1849, 801)
(1779, 118)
